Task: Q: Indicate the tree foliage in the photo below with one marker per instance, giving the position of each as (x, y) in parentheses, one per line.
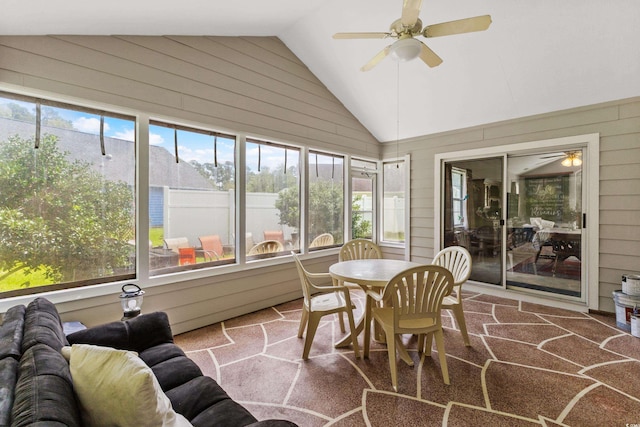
(326, 211)
(60, 215)
(360, 228)
(50, 116)
(222, 175)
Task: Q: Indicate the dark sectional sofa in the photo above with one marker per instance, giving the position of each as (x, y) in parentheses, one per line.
(36, 387)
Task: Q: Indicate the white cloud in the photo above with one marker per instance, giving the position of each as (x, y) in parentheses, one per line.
(155, 139)
(127, 135)
(89, 125)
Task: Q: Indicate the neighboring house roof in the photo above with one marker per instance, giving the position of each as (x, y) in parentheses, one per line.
(119, 160)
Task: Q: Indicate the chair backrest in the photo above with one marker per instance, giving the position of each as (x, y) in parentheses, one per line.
(457, 260)
(417, 293)
(359, 249)
(274, 235)
(266, 247)
(176, 243)
(325, 239)
(305, 282)
(211, 243)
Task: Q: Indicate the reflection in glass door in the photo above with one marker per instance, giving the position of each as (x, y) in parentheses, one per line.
(473, 212)
(544, 222)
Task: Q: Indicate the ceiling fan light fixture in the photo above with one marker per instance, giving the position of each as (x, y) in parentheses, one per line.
(405, 49)
(572, 159)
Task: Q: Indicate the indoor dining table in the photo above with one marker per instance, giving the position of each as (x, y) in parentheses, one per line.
(368, 274)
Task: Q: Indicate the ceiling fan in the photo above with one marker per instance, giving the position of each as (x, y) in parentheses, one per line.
(406, 47)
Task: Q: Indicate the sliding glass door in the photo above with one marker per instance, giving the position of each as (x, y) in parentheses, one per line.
(473, 214)
(520, 217)
(544, 222)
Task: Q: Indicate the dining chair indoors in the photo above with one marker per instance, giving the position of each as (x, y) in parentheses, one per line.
(320, 301)
(357, 249)
(457, 260)
(413, 300)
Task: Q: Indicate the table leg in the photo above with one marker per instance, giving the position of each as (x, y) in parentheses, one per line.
(346, 341)
(378, 332)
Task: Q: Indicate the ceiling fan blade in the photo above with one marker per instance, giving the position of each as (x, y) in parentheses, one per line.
(374, 61)
(361, 35)
(429, 57)
(467, 25)
(410, 12)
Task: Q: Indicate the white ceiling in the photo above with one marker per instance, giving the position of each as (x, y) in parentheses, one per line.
(537, 56)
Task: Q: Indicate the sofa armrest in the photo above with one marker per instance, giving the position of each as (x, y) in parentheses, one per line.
(137, 334)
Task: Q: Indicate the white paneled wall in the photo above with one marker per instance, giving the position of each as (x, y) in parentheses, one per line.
(618, 124)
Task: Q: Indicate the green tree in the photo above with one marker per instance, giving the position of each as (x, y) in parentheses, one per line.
(360, 227)
(60, 215)
(222, 175)
(325, 210)
(268, 181)
(51, 117)
(18, 112)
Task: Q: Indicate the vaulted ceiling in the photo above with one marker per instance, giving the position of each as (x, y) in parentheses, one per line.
(537, 56)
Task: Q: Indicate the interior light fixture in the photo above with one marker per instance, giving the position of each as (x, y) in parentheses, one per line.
(572, 160)
(405, 49)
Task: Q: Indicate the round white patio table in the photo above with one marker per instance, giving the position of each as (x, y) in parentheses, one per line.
(369, 274)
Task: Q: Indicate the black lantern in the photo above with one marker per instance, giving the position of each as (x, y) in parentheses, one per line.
(131, 300)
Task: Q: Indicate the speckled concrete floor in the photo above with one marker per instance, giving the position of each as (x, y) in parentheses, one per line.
(528, 365)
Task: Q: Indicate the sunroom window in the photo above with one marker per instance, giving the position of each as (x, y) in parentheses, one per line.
(393, 204)
(363, 198)
(67, 215)
(191, 198)
(272, 199)
(326, 200)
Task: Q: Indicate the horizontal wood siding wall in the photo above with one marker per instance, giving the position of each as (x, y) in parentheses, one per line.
(618, 124)
(247, 85)
(253, 85)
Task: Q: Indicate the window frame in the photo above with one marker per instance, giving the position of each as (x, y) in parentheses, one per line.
(357, 171)
(40, 102)
(142, 121)
(152, 273)
(308, 152)
(461, 201)
(243, 208)
(405, 244)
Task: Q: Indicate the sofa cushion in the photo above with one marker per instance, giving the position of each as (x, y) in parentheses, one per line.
(173, 371)
(161, 353)
(8, 376)
(11, 332)
(44, 391)
(200, 396)
(137, 334)
(42, 324)
(115, 387)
